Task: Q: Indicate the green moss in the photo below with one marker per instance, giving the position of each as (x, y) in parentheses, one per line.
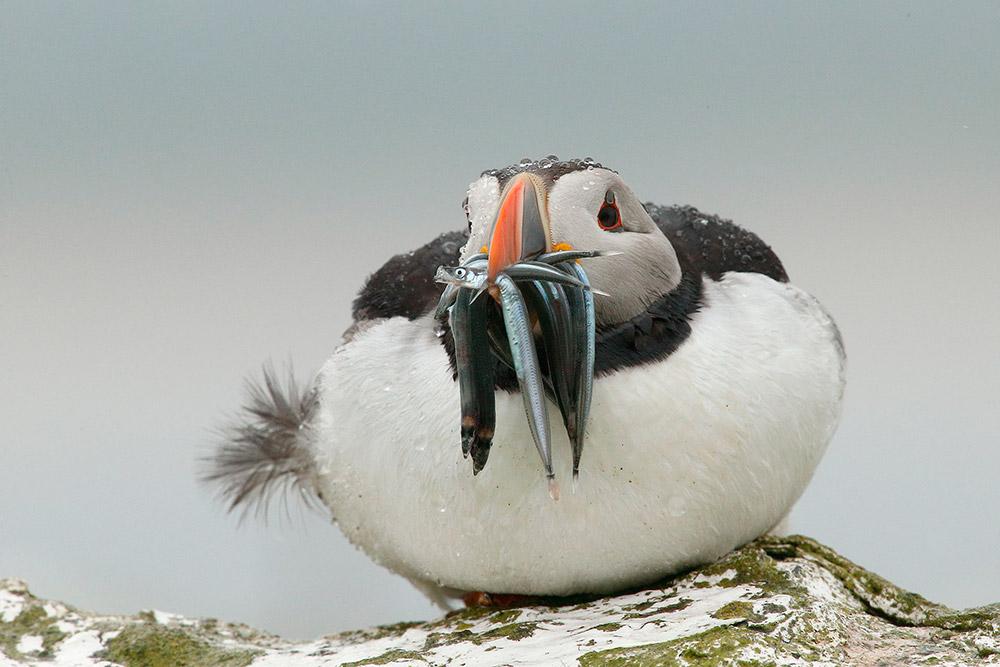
(681, 604)
(389, 657)
(436, 639)
(470, 614)
(394, 630)
(31, 621)
(714, 646)
(608, 627)
(50, 637)
(150, 645)
(887, 600)
(985, 652)
(753, 566)
(506, 616)
(735, 609)
(881, 597)
(743, 611)
(512, 631)
(981, 618)
(718, 646)
(647, 608)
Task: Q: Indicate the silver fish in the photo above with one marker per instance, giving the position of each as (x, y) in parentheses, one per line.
(585, 373)
(461, 332)
(529, 375)
(467, 276)
(539, 271)
(550, 303)
(560, 297)
(445, 275)
(447, 300)
(572, 255)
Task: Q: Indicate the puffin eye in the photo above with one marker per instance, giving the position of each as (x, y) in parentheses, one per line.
(609, 218)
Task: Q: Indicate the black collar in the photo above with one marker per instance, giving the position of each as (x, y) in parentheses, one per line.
(652, 335)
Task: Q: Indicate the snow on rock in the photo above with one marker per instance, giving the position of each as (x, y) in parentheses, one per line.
(776, 601)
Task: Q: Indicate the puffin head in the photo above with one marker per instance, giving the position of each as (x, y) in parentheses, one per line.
(546, 205)
(528, 223)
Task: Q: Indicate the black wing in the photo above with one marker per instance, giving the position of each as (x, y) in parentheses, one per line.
(404, 286)
(712, 245)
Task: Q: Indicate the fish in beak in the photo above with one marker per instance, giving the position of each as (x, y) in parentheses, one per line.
(546, 331)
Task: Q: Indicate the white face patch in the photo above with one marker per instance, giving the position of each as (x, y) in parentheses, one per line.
(648, 266)
(484, 200)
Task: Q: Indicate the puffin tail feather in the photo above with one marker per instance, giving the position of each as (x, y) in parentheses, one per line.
(266, 452)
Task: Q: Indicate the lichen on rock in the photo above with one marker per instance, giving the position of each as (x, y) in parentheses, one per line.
(776, 601)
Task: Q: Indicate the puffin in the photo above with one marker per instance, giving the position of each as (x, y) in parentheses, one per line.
(577, 393)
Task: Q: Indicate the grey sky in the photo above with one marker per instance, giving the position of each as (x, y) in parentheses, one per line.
(188, 189)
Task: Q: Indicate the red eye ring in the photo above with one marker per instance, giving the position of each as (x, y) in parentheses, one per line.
(609, 218)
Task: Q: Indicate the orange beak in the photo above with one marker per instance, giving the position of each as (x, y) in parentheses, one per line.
(521, 229)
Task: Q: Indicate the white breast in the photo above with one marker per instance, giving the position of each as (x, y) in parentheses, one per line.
(685, 459)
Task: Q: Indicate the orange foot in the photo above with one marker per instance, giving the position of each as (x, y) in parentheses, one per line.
(496, 600)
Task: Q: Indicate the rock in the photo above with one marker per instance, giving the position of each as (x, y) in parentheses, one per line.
(776, 601)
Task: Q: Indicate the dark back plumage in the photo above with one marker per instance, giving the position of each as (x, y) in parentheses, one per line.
(713, 245)
(404, 286)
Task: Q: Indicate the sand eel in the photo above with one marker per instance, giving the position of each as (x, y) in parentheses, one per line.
(568, 336)
(704, 386)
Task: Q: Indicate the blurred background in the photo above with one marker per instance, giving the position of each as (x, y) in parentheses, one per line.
(188, 189)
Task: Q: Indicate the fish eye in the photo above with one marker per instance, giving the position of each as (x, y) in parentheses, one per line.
(459, 273)
(609, 218)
